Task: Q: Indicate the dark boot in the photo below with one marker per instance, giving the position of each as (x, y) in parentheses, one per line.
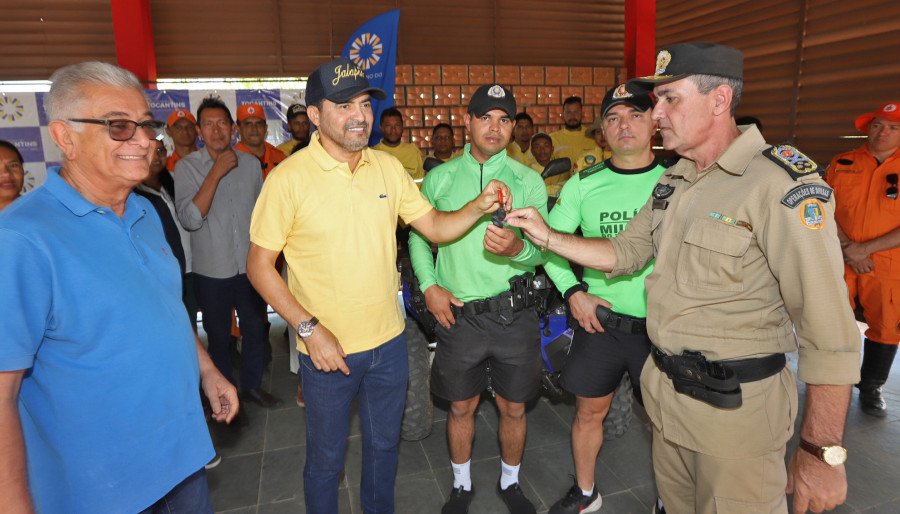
(876, 366)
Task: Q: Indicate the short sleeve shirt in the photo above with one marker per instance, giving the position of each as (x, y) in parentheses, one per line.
(109, 405)
(337, 230)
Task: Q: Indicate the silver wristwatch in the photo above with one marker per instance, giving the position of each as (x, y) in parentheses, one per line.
(306, 328)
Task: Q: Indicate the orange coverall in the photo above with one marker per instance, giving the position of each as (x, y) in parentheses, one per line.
(864, 211)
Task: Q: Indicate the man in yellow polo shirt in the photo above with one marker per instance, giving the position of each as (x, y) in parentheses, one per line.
(408, 154)
(298, 125)
(332, 208)
(571, 141)
(598, 154)
(520, 147)
(542, 148)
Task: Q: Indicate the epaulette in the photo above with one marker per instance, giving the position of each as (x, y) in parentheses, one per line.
(795, 162)
(587, 172)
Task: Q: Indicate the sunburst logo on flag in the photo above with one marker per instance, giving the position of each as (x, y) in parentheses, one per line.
(366, 50)
(11, 108)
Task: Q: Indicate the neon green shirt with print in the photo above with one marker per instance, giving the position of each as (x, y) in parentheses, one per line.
(601, 200)
(463, 266)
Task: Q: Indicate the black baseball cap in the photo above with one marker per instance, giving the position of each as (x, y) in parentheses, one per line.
(294, 110)
(639, 98)
(493, 96)
(678, 61)
(339, 81)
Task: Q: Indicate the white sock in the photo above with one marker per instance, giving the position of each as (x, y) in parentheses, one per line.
(588, 492)
(462, 477)
(509, 475)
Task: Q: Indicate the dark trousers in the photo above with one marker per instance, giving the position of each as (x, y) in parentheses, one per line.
(191, 495)
(216, 298)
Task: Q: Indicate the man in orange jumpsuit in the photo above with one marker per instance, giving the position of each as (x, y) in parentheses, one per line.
(867, 211)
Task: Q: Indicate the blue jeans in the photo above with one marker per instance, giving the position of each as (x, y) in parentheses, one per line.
(378, 378)
(217, 297)
(190, 496)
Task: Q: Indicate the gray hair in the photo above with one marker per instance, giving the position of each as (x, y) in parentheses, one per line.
(706, 83)
(67, 95)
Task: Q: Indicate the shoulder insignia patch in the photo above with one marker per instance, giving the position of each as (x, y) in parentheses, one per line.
(845, 161)
(803, 192)
(795, 162)
(587, 172)
(812, 214)
(663, 191)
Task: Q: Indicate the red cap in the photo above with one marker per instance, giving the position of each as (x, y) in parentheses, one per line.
(890, 112)
(250, 111)
(178, 114)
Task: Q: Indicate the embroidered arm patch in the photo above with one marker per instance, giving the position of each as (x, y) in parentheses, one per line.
(803, 192)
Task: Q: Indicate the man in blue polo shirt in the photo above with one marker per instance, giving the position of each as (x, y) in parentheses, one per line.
(99, 367)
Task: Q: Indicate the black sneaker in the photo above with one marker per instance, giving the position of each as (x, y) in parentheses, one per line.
(515, 499)
(458, 502)
(575, 502)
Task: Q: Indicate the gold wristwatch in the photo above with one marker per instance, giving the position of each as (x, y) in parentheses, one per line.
(832, 455)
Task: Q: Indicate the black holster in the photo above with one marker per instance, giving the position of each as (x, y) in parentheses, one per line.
(717, 383)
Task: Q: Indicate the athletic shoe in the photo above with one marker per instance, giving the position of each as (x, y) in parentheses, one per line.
(458, 502)
(575, 502)
(658, 507)
(515, 499)
(215, 461)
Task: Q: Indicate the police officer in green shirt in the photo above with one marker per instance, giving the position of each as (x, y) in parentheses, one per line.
(477, 291)
(601, 199)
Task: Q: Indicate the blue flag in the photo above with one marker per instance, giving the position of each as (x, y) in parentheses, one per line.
(373, 47)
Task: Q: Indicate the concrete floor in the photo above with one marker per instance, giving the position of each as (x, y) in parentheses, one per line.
(262, 466)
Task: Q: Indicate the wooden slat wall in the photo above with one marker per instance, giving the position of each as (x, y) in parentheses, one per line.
(811, 66)
(766, 31)
(270, 38)
(851, 65)
(208, 38)
(39, 36)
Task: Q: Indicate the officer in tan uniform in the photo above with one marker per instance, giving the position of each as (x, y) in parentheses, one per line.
(748, 265)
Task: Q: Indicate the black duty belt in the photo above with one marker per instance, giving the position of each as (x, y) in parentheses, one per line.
(717, 383)
(521, 296)
(621, 322)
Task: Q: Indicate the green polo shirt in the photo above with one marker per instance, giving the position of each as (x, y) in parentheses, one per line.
(601, 200)
(463, 266)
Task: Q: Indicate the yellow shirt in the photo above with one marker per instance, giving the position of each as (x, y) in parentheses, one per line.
(409, 156)
(571, 143)
(590, 158)
(516, 153)
(555, 183)
(337, 231)
(288, 146)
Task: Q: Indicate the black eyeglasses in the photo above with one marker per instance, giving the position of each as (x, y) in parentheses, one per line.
(891, 191)
(123, 130)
